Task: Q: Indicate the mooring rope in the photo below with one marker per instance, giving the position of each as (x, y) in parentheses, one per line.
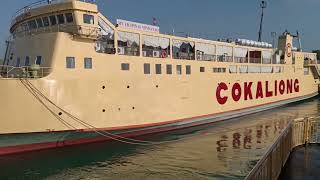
(36, 93)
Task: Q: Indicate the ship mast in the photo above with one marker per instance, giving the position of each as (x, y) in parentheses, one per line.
(263, 5)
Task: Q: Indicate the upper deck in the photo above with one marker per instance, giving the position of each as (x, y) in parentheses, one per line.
(81, 18)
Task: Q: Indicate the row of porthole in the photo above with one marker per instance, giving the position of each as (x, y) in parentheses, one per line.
(103, 110)
(119, 109)
(128, 87)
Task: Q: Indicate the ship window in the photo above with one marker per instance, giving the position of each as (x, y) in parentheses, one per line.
(60, 18)
(88, 19)
(158, 68)
(69, 17)
(202, 69)
(254, 69)
(71, 62)
(224, 54)
(39, 22)
(105, 43)
(146, 68)
(266, 69)
(88, 63)
(157, 47)
(243, 69)
(125, 66)
(183, 50)
(32, 24)
(255, 57)
(45, 21)
(219, 70)
(27, 61)
(240, 55)
(38, 60)
(188, 69)
(18, 62)
(179, 69)
(128, 44)
(169, 69)
(206, 52)
(279, 69)
(53, 20)
(233, 69)
(266, 57)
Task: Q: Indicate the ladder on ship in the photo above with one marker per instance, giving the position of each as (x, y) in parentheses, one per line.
(315, 71)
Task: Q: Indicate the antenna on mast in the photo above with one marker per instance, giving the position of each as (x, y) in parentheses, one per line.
(263, 5)
(299, 41)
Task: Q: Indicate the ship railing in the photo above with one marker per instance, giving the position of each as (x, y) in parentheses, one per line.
(34, 71)
(26, 9)
(299, 132)
(84, 31)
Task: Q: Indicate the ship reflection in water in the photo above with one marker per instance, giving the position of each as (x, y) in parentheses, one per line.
(225, 150)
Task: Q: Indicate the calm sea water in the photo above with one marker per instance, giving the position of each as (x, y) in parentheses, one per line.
(224, 150)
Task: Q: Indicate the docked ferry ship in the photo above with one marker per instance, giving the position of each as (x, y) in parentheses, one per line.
(70, 76)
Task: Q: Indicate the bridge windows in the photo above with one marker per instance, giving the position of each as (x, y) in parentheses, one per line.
(88, 19)
(88, 63)
(27, 61)
(38, 60)
(18, 62)
(45, 21)
(202, 69)
(206, 52)
(53, 20)
(154, 46)
(224, 54)
(70, 62)
(240, 55)
(183, 50)
(69, 17)
(32, 24)
(128, 44)
(39, 22)
(61, 19)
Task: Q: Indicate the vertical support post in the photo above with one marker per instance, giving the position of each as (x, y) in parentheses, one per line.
(263, 5)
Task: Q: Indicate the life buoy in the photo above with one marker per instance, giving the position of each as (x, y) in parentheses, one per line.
(163, 54)
(289, 50)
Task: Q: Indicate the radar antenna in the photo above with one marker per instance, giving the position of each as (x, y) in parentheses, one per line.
(263, 5)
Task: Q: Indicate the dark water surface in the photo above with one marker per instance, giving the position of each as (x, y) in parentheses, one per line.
(224, 150)
(303, 164)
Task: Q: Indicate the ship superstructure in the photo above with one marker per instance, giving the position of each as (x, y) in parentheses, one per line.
(69, 75)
